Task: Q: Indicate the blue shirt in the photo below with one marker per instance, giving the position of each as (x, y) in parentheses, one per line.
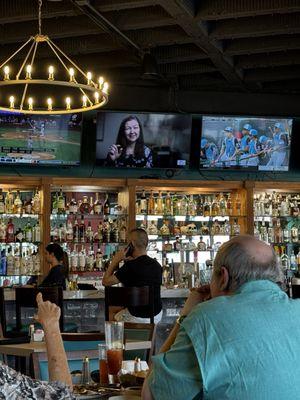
(240, 347)
(253, 147)
(229, 144)
(211, 152)
(244, 142)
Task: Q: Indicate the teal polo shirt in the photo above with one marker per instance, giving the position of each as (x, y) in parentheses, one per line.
(240, 347)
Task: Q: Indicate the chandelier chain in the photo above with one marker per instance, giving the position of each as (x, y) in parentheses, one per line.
(40, 16)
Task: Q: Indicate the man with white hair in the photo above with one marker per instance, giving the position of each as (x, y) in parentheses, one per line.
(243, 343)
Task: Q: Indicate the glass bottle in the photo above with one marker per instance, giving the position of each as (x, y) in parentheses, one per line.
(271, 235)
(183, 206)
(106, 231)
(36, 202)
(238, 205)
(286, 234)
(191, 207)
(37, 233)
(159, 204)
(201, 245)
(294, 234)
(18, 204)
(28, 205)
(278, 234)
(61, 202)
(84, 207)
(284, 207)
(151, 204)
(2, 202)
(54, 203)
(19, 236)
(74, 260)
(76, 231)
(69, 233)
(227, 228)
(199, 206)
(235, 229)
(222, 205)
(100, 232)
(89, 233)
(229, 204)
(2, 231)
(106, 207)
(82, 229)
(263, 231)
(28, 233)
(168, 204)
(73, 208)
(123, 232)
(206, 207)
(143, 203)
(175, 204)
(10, 231)
(9, 202)
(215, 207)
(97, 205)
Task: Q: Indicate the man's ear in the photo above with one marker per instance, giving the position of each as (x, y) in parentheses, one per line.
(224, 279)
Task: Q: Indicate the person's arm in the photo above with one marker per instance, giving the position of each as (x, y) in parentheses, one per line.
(48, 315)
(109, 277)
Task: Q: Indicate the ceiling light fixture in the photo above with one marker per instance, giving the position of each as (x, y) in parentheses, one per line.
(89, 95)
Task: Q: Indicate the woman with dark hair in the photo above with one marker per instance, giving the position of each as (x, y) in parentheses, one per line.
(57, 275)
(130, 150)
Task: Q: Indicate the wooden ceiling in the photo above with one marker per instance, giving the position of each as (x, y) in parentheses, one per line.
(211, 45)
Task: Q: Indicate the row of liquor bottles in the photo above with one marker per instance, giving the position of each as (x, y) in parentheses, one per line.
(9, 233)
(88, 204)
(215, 227)
(190, 245)
(289, 259)
(83, 260)
(277, 204)
(20, 202)
(275, 231)
(193, 205)
(110, 230)
(20, 261)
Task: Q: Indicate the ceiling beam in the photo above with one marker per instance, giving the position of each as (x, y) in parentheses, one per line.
(263, 45)
(220, 9)
(255, 27)
(268, 60)
(178, 53)
(274, 74)
(198, 31)
(117, 5)
(187, 68)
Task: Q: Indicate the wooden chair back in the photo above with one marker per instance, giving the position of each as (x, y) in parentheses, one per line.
(26, 298)
(129, 297)
(139, 332)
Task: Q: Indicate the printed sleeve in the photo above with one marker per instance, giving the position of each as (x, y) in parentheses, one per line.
(15, 386)
(148, 155)
(177, 368)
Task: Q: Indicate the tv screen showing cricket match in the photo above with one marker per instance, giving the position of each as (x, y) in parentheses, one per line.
(40, 139)
(257, 143)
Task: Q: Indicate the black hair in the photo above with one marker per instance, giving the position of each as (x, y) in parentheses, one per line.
(55, 248)
(122, 141)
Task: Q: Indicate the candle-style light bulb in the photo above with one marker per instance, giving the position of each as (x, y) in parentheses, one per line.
(84, 101)
(68, 103)
(30, 103)
(101, 81)
(49, 102)
(72, 73)
(28, 72)
(89, 78)
(51, 73)
(11, 102)
(96, 97)
(6, 73)
(105, 87)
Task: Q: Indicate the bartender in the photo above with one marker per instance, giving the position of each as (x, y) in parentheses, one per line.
(57, 275)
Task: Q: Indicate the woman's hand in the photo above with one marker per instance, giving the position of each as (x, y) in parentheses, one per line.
(48, 313)
(114, 152)
(196, 296)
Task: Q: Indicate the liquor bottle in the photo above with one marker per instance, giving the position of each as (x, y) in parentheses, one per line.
(285, 261)
(99, 260)
(201, 245)
(74, 260)
(106, 231)
(215, 207)
(175, 205)
(28, 205)
(183, 206)
(206, 207)
(28, 233)
(151, 204)
(99, 232)
(3, 263)
(168, 204)
(37, 233)
(9, 202)
(278, 234)
(61, 233)
(82, 230)
(114, 234)
(227, 228)
(36, 203)
(160, 204)
(263, 231)
(54, 203)
(123, 232)
(91, 205)
(222, 205)
(106, 206)
(199, 206)
(191, 206)
(10, 231)
(90, 260)
(19, 237)
(294, 234)
(143, 203)
(82, 259)
(268, 205)
(61, 202)
(293, 262)
(36, 263)
(73, 208)
(177, 244)
(10, 262)
(284, 207)
(69, 233)
(2, 202)
(18, 204)
(89, 233)
(238, 205)
(229, 204)
(235, 229)
(256, 232)
(18, 267)
(271, 235)
(76, 231)
(97, 205)
(215, 229)
(84, 207)
(29, 262)
(286, 234)
(2, 231)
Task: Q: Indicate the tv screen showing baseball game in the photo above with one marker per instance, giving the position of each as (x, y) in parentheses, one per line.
(40, 139)
(256, 143)
(143, 140)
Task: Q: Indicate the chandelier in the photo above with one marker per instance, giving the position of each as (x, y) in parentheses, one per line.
(38, 95)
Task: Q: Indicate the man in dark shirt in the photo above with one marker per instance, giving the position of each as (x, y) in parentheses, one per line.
(56, 275)
(138, 270)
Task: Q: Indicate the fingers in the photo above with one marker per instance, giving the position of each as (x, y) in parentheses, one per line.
(39, 298)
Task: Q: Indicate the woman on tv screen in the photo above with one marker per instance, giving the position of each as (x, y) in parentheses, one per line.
(130, 150)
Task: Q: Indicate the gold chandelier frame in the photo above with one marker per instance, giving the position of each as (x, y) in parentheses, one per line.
(90, 88)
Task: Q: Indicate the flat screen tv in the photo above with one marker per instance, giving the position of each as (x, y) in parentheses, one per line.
(40, 139)
(254, 143)
(143, 140)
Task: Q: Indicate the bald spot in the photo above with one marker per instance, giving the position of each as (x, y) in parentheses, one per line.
(259, 251)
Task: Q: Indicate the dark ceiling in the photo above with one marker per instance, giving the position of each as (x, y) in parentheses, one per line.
(211, 45)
